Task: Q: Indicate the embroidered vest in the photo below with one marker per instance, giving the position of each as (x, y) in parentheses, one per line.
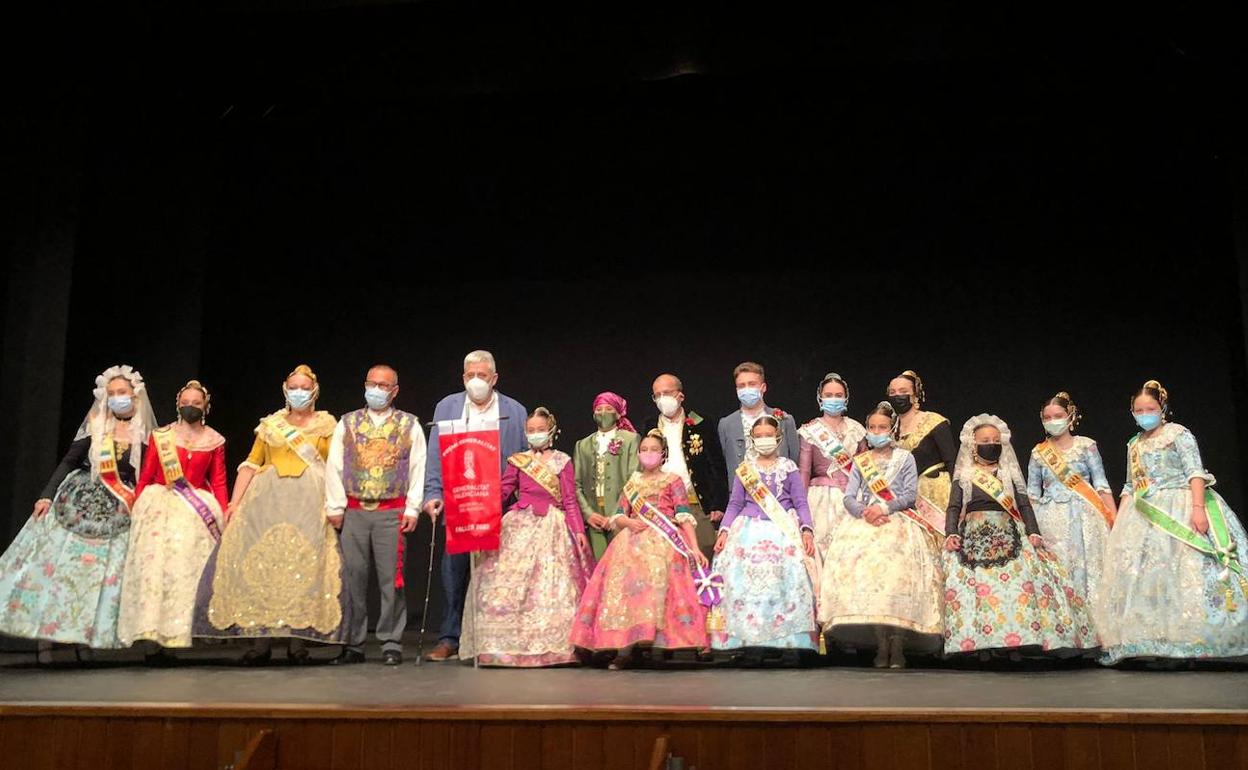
(374, 457)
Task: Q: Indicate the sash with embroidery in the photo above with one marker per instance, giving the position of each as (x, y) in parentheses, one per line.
(294, 439)
(709, 584)
(878, 485)
(1052, 457)
(1140, 482)
(996, 490)
(759, 492)
(539, 472)
(171, 466)
(822, 438)
(108, 472)
(1221, 549)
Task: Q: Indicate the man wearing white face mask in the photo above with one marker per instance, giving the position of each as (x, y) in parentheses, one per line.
(477, 402)
(751, 384)
(698, 462)
(374, 479)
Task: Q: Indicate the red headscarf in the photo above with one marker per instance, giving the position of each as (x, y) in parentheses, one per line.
(620, 406)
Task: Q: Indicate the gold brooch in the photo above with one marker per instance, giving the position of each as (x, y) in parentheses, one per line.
(695, 444)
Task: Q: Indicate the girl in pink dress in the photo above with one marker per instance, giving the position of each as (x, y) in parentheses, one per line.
(522, 597)
(642, 592)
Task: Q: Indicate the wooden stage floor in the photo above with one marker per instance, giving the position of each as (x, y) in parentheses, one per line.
(454, 716)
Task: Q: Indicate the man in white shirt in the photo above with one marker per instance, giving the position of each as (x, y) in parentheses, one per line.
(374, 480)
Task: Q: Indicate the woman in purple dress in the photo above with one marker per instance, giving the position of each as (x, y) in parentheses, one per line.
(523, 597)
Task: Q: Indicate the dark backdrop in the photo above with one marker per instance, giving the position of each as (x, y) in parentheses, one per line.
(1007, 224)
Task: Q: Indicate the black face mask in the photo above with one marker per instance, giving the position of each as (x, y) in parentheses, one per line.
(902, 403)
(190, 413)
(988, 452)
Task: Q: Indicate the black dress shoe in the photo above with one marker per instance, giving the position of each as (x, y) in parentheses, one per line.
(347, 656)
(392, 657)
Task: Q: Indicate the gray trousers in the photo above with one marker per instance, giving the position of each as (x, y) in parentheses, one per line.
(373, 534)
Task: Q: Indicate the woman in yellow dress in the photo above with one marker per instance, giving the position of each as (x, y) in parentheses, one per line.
(277, 572)
(929, 437)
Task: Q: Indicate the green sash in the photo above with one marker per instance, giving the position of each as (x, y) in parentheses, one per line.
(1222, 549)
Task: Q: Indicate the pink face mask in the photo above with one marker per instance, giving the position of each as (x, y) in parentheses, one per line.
(650, 459)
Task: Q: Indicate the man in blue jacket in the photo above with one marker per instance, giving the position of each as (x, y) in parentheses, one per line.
(476, 403)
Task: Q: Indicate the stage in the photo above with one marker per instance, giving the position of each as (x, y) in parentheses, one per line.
(199, 713)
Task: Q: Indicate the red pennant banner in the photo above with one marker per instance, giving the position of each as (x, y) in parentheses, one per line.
(471, 485)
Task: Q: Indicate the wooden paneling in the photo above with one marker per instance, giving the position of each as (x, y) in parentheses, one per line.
(57, 741)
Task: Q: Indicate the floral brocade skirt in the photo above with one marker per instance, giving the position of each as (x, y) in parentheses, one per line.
(768, 599)
(1162, 598)
(1000, 593)
(169, 546)
(1077, 535)
(890, 575)
(60, 579)
(641, 592)
(522, 598)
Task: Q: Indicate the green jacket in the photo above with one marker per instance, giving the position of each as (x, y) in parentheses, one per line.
(619, 468)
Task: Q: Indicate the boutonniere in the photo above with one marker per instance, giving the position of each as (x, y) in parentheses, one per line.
(695, 444)
(688, 421)
(778, 414)
(613, 446)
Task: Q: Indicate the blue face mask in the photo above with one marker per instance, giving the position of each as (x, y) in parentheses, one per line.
(878, 440)
(299, 398)
(120, 404)
(1148, 420)
(835, 405)
(749, 397)
(376, 398)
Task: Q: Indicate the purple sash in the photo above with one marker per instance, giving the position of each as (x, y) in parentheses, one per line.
(709, 584)
(187, 492)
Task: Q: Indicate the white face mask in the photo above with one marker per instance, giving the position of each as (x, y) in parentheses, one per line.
(766, 445)
(478, 389)
(538, 440)
(1055, 427)
(668, 405)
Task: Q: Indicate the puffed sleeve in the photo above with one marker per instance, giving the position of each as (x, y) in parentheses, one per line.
(255, 459)
(1035, 477)
(572, 512)
(905, 486)
(150, 474)
(1096, 468)
(736, 501)
(1189, 457)
(511, 482)
(216, 477)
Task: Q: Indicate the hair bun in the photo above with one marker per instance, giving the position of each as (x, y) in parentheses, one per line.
(885, 405)
(1063, 394)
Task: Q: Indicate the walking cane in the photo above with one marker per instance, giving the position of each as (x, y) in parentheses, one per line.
(424, 615)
